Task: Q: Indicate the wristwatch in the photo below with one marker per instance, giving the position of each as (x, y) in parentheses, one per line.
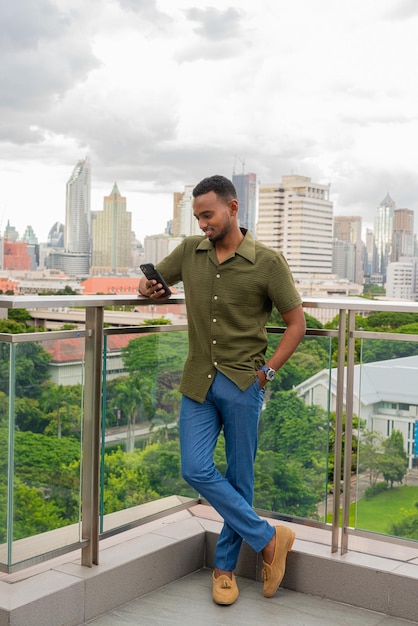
(269, 372)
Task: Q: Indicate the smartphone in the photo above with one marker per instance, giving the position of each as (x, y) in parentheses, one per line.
(151, 272)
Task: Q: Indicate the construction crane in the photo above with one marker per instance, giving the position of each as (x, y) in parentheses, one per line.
(242, 161)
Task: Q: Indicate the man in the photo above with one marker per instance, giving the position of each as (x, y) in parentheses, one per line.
(230, 283)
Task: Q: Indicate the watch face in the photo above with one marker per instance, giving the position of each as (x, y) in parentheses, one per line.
(270, 374)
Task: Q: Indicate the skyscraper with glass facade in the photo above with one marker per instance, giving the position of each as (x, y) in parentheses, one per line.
(383, 229)
(77, 237)
(246, 186)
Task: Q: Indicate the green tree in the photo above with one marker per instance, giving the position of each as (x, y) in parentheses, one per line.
(29, 415)
(125, 481)
(19, 315)
(406, 525)
(62, 408)
(132, 396)
(297, 435)
(156, 353)
(33, 513)
(161, 465)
(393, 463)
(46, 482)
(370, 451)
(31, 368)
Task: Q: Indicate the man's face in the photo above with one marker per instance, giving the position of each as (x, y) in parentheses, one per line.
(214, 215)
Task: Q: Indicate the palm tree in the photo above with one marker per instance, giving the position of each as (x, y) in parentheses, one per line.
(132, 395)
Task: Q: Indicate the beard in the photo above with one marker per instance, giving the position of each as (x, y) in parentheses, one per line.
(218, 237)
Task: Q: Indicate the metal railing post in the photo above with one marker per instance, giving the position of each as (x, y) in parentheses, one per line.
(91, 436)
(338, 429)
(348, 430)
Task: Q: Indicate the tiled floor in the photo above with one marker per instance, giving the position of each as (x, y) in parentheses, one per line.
(188, 602)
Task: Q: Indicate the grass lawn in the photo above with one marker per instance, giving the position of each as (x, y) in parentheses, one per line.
(378, 513)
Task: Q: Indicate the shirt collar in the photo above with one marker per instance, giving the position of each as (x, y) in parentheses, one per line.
(246, 249)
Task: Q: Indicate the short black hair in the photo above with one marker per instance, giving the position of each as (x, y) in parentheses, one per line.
(222, 186)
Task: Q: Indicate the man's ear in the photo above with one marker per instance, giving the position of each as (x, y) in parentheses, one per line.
(233, 206)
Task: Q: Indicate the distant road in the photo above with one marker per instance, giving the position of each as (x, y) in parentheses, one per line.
(119, 435)
(55, 319)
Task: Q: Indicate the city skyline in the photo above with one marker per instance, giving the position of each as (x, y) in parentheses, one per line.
(161, 93)
(170, 213)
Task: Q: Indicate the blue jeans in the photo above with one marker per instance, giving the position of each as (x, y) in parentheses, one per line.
(238, 413)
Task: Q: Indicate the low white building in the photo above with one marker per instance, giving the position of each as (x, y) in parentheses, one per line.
(385, 397)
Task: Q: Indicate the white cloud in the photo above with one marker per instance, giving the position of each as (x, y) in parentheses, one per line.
(162, 93)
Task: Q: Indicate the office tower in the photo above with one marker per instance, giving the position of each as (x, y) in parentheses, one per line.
(77, 238)
(246, 186)
(10, 232)
(111, 236)
(348, 230)
(344, 259)
(184, 222)
(31, 239)
(383, 227)
(295, 217)
(29, 236)
(403, 234)
(371, 253)
(56, 236)
(156, 247)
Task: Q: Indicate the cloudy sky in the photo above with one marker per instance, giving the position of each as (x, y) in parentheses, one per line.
(161, 93)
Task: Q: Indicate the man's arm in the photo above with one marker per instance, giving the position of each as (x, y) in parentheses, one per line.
(292, 336)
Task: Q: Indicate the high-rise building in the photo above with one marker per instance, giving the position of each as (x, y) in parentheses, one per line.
(371, 252)
(184, 222)
(347, 229)
(156, 247)
(402, 279)
(295, 217)
(77, 238)
(246, 186)
(344, 259)
(403, 234)
(383, 228)
(111, 236)
(56, 236)
(10, 232)
(30, 238)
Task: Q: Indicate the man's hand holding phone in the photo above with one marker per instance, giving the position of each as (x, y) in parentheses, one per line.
(152, 285)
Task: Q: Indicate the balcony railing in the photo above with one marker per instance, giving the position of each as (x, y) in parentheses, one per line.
(108, 457)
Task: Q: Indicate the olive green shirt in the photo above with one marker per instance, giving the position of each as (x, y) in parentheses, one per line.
(228, 305)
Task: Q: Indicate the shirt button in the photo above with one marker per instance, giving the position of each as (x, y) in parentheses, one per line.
(215, 363)
(218, 275)
(214, 341)
(215, 297)
(209, 375)
(214, 319)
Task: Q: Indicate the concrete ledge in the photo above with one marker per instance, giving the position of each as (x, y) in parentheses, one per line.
(131, 564)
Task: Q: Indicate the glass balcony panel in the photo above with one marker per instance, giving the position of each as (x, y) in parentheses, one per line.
(44, 442)
(294, 465)
(141, 405)
(6, 473)
(385, 486)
